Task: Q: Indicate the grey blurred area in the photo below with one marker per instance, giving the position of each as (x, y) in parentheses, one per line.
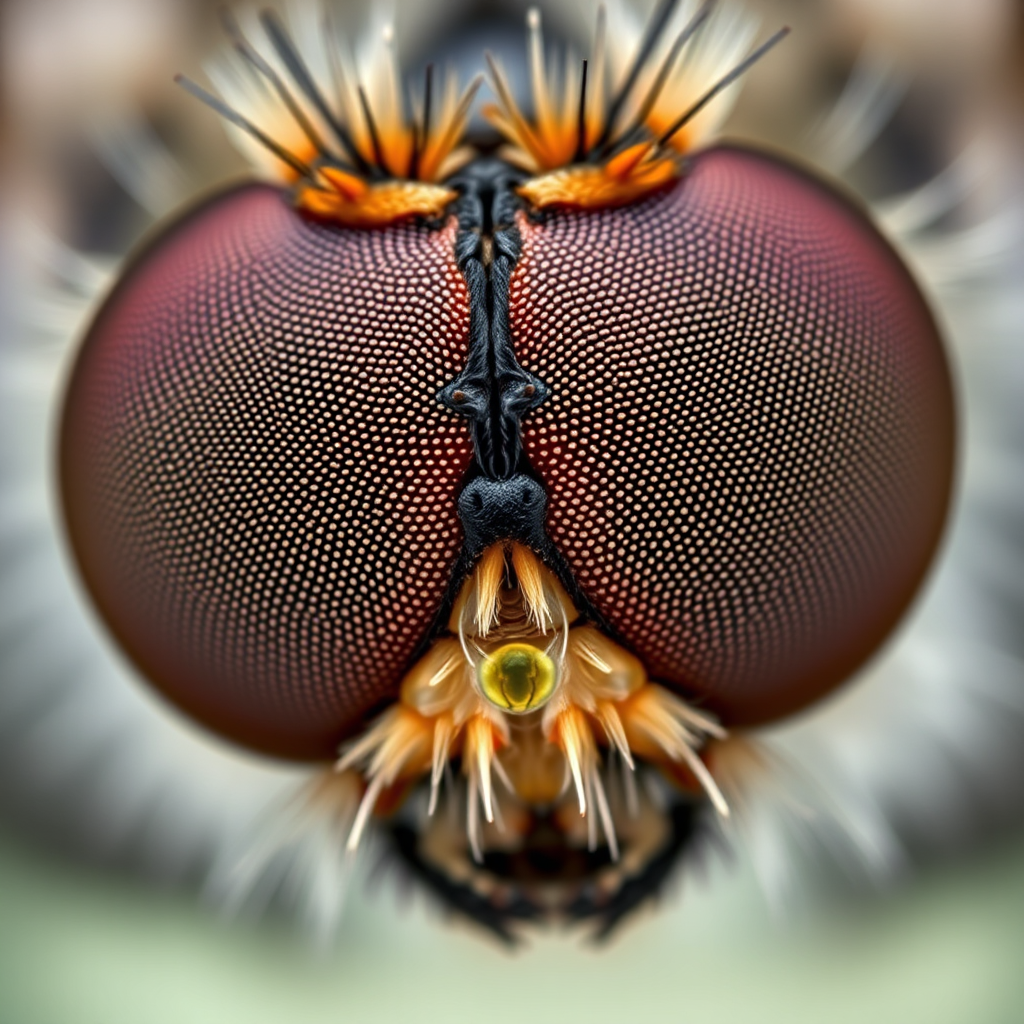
(99, 916)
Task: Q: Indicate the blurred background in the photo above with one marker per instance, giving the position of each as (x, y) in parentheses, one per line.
(112, 809)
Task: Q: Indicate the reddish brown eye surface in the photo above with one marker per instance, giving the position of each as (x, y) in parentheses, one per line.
(258, 480)
(749, 443)
(747, 448)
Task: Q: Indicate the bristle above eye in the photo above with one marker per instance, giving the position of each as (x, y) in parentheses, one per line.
(300, 167)
(723, 83)
(383, 144)
(660, 79)
(264, 68)
(297, 67)
(581, 118)
(422, 133)
(655, 29)
(591, 150)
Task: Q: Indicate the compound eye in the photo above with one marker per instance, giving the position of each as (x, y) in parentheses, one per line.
(257, 478)
(749, 446)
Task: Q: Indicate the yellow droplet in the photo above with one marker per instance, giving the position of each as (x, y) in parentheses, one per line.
(517, 677)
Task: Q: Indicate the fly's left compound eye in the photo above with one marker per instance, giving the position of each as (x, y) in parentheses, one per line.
(511, 467)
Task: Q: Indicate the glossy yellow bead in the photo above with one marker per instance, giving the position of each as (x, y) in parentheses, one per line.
(517, 677)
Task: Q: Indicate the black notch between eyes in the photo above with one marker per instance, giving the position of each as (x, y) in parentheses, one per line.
(492, 391)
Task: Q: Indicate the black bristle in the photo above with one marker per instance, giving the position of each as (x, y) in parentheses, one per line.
(232, 115)
(659, 22)
(581, 121)
(291, 59)
(724, 82)
(647, 105)
(371, 127)
(421, 134)
(255, 60)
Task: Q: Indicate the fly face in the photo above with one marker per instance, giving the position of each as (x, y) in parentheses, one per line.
(517, 484)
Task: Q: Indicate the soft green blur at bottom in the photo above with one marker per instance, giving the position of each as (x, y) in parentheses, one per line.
(75, 949)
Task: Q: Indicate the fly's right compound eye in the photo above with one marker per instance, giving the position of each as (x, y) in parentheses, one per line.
(749, 447)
